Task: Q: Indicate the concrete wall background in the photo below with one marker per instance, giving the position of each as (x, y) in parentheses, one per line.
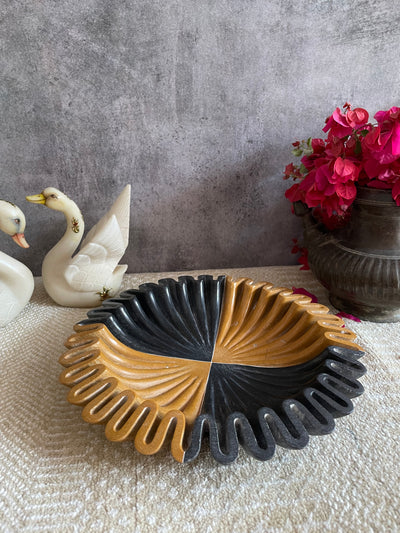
(194, 102)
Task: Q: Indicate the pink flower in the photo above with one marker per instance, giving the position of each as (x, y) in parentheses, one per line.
(346, 191)
(323, 182)
(335, 205)
(316, 189)
(378, 144)
(342, 314)
(383, 141)
(344, 170)
(296, 247)
(308, 161)
(383, 116)
(337, 124)
(335, 147)
(318, 146)
(314, 299)
(289, 169)
(294, 194)
(373, 168)
(357, 117)
(303, 259)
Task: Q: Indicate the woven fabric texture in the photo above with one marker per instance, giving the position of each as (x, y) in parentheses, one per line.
(60, 474)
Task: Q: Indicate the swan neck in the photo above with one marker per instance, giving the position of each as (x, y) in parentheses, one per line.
(75, 227)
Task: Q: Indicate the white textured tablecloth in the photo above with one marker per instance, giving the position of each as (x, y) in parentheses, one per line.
(59, 473)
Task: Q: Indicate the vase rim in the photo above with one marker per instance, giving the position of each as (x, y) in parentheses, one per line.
(375, 195)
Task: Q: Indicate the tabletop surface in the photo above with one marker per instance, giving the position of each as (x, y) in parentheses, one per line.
(60, 473)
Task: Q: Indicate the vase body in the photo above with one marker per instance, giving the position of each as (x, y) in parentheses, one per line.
(360, 265)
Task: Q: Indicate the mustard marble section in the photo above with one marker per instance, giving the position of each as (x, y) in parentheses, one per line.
(139, 396)
(268, 326)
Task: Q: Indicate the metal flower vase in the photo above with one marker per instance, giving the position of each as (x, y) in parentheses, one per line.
(360, 264)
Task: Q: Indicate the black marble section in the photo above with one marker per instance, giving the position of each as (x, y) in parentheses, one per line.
(261, 407)
(175, 318)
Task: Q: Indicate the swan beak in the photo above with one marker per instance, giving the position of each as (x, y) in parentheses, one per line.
(19, 238)
(36, 199)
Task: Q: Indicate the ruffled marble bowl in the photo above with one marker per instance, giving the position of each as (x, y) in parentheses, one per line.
(238, 362)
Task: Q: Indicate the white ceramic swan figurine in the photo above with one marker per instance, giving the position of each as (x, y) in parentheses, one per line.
(92, 274)
(16, 280)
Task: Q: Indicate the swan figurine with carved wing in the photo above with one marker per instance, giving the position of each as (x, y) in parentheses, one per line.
(86, 277)
(16, 280)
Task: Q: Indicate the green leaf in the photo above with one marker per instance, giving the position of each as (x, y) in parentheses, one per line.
(297, 152)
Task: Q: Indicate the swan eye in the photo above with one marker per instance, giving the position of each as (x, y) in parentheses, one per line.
(17, 220)
(53, 195)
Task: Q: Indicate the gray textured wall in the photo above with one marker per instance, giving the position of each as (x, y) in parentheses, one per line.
(193, 102)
